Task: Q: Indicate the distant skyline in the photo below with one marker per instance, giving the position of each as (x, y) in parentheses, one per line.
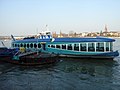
(25, 17)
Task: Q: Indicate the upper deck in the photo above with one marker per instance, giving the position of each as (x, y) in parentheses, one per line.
(97, 39)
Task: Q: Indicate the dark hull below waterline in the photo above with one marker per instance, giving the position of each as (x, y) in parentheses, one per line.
(31, 61)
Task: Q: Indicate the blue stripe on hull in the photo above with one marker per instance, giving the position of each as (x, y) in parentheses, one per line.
(83, 54)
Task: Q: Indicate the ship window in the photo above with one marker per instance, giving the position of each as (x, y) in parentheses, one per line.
(111, 46)
(69, 46)
(107, 46)
(53, 46)
(91, 47)
(18, 45)
(100, 47)
(48, 45)
(39, 45)
(35, 45)
(83, 46)
(27, 45)
(21, 45)
(76, 47)
(12, 45)
(57, 46)
(31, 45)
(24, 45)
(63, 46)
(15, 45)
(44, 46)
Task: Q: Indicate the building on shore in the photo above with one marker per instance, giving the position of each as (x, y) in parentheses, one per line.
(104, 33)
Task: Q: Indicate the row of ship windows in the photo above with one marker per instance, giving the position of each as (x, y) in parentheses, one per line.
(27, 45)
(107, 46)
(100, 47)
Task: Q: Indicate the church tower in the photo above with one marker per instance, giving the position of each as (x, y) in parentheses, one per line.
(106, 30)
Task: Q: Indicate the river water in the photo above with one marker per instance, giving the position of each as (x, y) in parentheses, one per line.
(68, 74)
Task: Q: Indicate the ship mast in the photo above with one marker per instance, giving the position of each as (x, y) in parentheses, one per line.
(37, 41)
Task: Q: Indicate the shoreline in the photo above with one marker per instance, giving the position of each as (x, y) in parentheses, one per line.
(5, 39)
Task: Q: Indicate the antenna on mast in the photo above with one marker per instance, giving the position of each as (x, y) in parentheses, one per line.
(47, 28)
(37, 40)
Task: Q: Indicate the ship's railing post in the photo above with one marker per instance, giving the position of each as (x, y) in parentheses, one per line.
(60, 46)
(55, 45)
(109, 46)
(73, 46)
(95, 46)
(79, 47)
(66, 46)
(104, 46)
(87, 46)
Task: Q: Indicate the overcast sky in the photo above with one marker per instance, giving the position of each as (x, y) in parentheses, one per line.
(23, 17)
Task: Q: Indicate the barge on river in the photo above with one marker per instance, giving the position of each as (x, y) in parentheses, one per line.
(99, 47)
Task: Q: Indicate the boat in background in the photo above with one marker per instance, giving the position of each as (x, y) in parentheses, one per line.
(99, 47)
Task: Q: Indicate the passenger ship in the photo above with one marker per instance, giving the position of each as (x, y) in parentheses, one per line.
(99, 47)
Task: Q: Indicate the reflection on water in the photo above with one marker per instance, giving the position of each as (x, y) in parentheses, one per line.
(68, 74)
(71, 74)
